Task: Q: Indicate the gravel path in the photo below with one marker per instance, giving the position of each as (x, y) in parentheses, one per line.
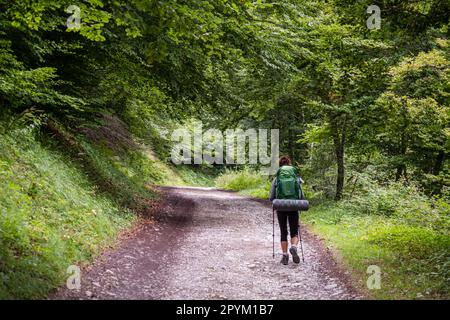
(210, 244)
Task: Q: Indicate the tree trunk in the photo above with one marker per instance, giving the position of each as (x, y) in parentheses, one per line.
(439, 162)
(339, 147)
(291, 145)
(401, 171)
(401, 168)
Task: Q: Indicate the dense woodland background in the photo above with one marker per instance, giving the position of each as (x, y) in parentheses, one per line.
(86, 116)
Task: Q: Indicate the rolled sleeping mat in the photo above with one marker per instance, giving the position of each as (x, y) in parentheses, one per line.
(290, 205)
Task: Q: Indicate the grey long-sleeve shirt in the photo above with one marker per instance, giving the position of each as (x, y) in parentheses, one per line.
(273, 189)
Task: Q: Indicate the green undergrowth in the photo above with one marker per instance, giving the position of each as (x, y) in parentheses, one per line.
(247, 182)
(414, 260)
(193, 176)
(52, 216)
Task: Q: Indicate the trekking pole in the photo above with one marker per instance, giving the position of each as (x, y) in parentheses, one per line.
(273, 233)
(300, 238)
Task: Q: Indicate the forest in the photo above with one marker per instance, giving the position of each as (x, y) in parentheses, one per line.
(91, 91)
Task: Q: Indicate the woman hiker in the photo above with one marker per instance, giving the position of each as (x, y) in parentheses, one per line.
(287, 185)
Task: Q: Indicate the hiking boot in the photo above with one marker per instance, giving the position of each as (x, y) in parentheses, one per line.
(295, 257)
(285, 259)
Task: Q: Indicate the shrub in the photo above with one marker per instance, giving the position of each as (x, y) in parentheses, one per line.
(261, 191)
(240, 180)
(404, 202)
(409, 241)
(421, 253)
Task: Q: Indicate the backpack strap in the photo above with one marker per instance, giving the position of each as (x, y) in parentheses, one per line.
(277, 182)
(278, 175)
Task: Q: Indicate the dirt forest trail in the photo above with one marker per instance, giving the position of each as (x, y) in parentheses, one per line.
(210, 244)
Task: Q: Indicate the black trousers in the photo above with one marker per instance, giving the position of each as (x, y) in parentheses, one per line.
(283, 218)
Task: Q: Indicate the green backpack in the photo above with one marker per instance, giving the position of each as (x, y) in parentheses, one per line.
(287, 184)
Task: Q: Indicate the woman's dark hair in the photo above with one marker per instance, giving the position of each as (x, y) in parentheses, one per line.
(284, 161)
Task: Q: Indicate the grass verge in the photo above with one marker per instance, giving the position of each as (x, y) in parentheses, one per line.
(51, 217)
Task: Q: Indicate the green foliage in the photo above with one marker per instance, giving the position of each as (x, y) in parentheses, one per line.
(404, 202)
(422, 253)
(364, 114)
(188, 176)
(246, 181)
(52, 216)
(260, 191)
(413, 259)
(239, 180)
(411, 242)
